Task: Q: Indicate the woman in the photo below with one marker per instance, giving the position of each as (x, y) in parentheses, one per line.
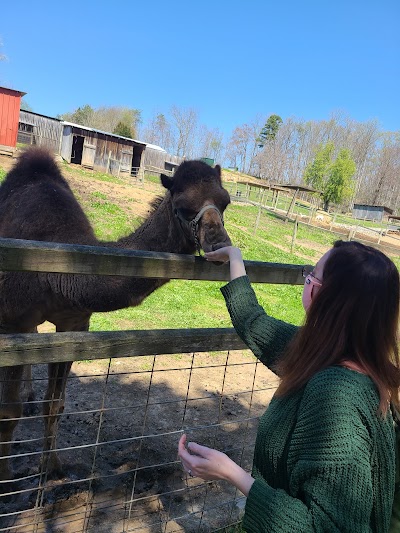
(324, 457)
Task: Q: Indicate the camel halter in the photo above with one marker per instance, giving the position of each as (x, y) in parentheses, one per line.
(192, 226)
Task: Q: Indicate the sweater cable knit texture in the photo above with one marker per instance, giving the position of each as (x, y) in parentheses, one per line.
(323, 460)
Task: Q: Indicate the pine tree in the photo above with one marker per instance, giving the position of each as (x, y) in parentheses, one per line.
(123, 130)
(269, 131)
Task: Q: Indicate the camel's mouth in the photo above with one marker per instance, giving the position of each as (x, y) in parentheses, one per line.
(221, 245)
(210, 247)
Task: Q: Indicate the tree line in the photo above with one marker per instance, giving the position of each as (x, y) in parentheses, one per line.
(348, 161)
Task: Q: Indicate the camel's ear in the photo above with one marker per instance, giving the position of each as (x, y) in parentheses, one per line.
(218, 169)
(166, 181)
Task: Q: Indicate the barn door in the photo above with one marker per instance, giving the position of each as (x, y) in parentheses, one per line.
(89, 151)
(126, 160)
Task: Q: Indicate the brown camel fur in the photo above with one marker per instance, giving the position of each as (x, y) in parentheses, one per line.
(36, 203)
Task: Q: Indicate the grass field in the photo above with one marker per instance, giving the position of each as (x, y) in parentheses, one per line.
(190, 304)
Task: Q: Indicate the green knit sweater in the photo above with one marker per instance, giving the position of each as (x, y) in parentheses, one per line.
(323, 459)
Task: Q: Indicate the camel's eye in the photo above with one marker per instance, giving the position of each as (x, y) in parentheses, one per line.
(188, 214)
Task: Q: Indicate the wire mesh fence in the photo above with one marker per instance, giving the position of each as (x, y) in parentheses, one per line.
(125, 408)
(117, 443)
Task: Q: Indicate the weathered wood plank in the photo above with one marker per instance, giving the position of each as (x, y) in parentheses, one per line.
(37, 256)
(33, 348)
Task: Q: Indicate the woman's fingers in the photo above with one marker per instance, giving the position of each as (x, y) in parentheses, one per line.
(182, 450)
(200, 460)
(222, 254)
(184, 455)
(197, 449)
(182, 442)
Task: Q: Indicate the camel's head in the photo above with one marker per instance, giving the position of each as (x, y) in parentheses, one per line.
(199, 201)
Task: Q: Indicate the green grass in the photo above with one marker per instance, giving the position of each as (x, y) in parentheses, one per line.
(2, 174)
(199, 304)
(93, 175)
(109, 220)
(152, 178)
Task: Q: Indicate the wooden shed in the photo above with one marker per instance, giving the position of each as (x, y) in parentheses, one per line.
(10, 104)
(156, 160)
(40, 130)
(371, 212)
(102, 151)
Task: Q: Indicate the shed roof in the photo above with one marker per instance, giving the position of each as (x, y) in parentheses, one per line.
(155, 147)
(261, 185)
(300, 188)
(387, 209)
(279, 187)
(102, 132)
(13, 90)
(40, 115)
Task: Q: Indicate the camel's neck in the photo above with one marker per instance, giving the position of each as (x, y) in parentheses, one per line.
(161, 232)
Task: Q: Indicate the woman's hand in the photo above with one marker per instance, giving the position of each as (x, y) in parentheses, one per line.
(222, 254)
(211, 465)
(229, 254)
(203, 462)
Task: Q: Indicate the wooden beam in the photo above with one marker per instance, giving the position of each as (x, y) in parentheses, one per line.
(37, 256)
(289, 211)
(34, 348)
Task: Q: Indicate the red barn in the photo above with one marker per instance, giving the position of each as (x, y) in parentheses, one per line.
(10, 103)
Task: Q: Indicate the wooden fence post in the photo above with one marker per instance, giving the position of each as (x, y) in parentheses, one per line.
(296, 223)
(333, 220)
(380, 235)
(257, 219)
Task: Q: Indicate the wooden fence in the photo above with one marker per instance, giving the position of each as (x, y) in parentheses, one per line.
(171, 505)
(34, 256)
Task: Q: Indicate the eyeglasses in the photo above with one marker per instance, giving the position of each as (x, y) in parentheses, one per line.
(308, 273)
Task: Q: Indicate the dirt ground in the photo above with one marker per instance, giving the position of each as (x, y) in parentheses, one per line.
(118, 440)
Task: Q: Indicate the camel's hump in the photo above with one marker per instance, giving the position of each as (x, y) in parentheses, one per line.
(34, 164)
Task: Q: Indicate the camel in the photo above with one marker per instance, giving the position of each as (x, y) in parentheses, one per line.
(36, 203)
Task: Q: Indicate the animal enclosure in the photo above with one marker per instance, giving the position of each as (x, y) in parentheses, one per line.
(129, 397)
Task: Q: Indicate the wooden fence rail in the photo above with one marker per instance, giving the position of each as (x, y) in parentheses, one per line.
(38, 256)
(31, 348)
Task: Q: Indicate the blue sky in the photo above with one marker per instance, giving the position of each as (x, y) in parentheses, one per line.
(230, 60)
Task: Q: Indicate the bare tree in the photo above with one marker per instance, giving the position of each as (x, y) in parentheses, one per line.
(105, 118)
(210, 143)
(159, 131)
(242, 147)
(278, 159)
(387, 171)
(362, 142)
(239, 146)
(185, 123)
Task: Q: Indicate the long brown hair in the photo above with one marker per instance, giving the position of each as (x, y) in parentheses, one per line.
(354, 316)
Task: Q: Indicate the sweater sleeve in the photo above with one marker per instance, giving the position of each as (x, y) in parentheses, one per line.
(266, 336)
(329, 468)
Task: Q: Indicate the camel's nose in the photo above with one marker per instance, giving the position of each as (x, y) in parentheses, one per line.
(219, 245)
